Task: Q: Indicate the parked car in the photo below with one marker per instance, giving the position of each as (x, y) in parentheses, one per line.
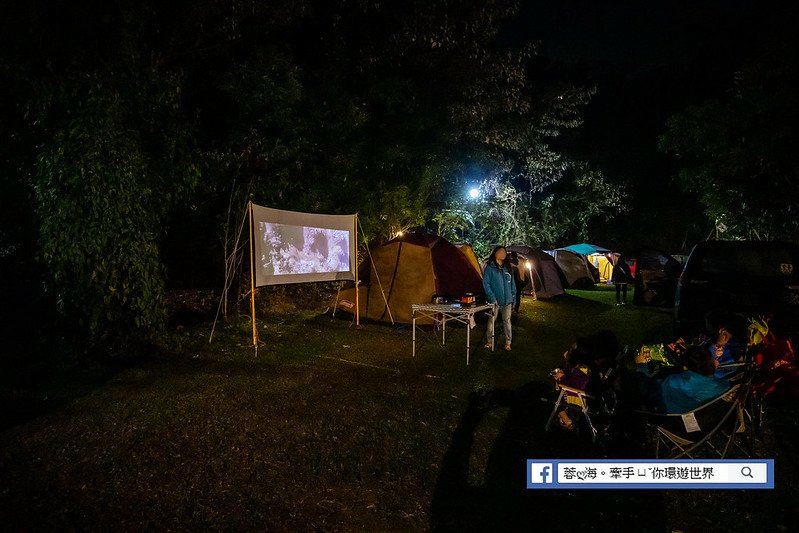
(748, 277)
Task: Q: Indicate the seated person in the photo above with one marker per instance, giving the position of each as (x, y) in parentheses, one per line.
(576, 374)
(683, 391)
(777, 372)
(726, 348)
(664, 359)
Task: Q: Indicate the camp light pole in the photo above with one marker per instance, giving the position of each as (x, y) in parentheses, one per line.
(532, 280)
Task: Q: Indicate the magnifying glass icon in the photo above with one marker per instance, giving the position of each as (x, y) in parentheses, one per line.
(747, 472)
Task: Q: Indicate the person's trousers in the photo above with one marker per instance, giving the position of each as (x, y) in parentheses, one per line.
(621, 287)
(506, 311)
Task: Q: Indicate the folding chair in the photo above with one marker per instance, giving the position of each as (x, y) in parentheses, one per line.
(712, 425)
(736, 372)
(576, 398)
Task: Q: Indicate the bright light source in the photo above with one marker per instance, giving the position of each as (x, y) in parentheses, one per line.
(400, 234)
(529, 265)
(474, 193)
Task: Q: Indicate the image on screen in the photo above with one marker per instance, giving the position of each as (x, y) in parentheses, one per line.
(288, 249)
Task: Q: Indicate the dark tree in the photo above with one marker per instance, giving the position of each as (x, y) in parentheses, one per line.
(738, 152)
(134, 125)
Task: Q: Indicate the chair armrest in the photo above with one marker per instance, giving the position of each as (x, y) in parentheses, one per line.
(573, 390)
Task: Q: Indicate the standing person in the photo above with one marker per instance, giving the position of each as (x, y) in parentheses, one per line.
(621, 277)
(500, 289)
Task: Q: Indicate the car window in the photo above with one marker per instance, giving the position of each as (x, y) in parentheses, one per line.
(750, 261)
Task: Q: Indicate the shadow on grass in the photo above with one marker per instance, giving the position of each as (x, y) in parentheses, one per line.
(503, 502)
(31, 390)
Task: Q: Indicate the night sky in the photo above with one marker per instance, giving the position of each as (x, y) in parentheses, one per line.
(650, 60)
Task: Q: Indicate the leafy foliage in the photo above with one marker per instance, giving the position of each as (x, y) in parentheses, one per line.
(509, 214)
(377, 107)
(324, 106)
(586, 198)
(103, 183)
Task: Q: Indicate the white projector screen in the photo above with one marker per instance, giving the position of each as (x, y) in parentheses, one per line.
(292, 247)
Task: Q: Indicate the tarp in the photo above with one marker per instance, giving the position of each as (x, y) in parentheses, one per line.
(586, 249)
(540, 271)
(411, 269)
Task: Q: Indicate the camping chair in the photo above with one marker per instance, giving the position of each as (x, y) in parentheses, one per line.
(570, 397)
(736, 372)
(712, 426)
(600, 402)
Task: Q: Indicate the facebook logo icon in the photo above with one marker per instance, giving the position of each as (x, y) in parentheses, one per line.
(540, 474)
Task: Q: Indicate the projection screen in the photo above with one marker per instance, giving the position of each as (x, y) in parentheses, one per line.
(293, 247)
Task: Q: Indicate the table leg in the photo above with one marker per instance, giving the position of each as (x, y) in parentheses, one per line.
(494, 329)
(468, 340)
(443, 330)
(414, 333)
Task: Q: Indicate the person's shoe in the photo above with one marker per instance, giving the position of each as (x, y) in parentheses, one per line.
(507, 346)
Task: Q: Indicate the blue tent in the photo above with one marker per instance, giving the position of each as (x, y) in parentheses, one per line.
(586, 249)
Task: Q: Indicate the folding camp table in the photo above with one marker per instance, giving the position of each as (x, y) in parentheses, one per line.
(443, 313)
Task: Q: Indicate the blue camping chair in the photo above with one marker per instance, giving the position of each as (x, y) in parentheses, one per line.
(710, 428)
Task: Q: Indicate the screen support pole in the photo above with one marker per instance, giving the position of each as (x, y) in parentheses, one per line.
(357, 281)
(252, 281)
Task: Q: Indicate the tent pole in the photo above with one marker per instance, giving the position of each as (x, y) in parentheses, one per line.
(252, 282)
(357, 281)
(377, 276)
(231, 260)
(335, 303)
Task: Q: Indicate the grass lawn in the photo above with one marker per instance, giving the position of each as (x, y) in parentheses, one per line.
(333, 427)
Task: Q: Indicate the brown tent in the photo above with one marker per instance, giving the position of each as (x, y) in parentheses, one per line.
(411, 269)
(468, 251)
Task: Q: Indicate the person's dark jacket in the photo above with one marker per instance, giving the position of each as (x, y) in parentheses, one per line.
(621, 272)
